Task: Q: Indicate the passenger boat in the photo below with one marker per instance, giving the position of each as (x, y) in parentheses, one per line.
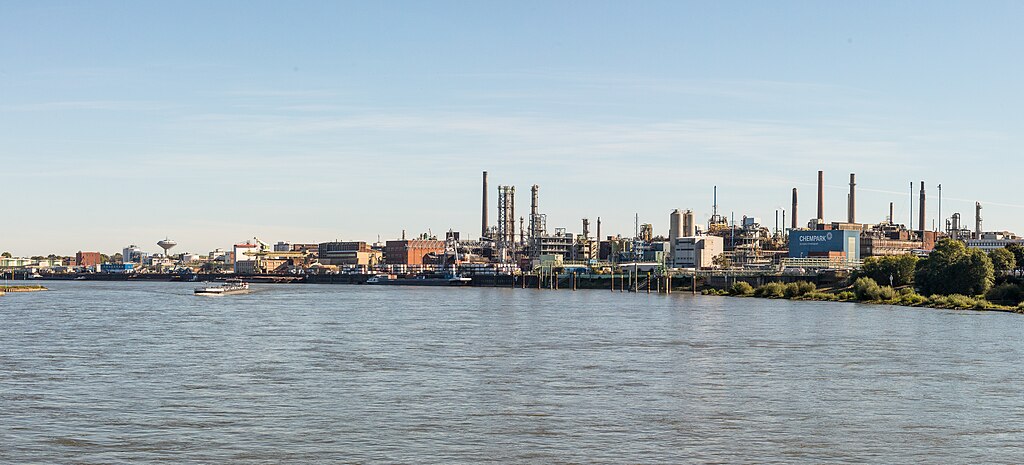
(228, 288)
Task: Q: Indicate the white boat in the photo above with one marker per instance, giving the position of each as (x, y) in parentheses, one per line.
(229, 287)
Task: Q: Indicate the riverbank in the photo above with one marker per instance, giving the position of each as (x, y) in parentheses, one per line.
(864, 292)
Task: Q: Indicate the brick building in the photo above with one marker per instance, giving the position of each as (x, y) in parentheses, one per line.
(411, 252)
(88, 258)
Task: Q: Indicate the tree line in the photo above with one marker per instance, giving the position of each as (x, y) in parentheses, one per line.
(953, 269)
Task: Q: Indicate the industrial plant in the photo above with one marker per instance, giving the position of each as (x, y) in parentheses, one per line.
(524, 249)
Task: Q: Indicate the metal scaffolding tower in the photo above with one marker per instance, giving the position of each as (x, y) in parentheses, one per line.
(506, 218)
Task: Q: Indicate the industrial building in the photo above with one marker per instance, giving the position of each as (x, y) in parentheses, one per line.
(681, 224)
(411, 251)
(132, 254)
(351, 253)
(560, 243)
(117, 267)
(87, 259)
(994, 240)
(696, 252)
(244, 263)
(841, 245)
(891, 239)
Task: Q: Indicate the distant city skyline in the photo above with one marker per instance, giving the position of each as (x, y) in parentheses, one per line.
(209, 124)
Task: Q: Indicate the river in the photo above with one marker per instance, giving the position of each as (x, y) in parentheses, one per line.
(146, 373)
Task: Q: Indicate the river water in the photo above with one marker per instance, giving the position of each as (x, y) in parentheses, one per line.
(141, 373)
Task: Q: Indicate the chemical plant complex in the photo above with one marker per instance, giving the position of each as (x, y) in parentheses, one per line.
(521, 244)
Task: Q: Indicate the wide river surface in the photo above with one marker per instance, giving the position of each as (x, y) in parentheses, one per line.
(142, 373)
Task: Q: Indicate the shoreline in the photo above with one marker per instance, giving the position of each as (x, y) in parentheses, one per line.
(25, 288)
(940, 302)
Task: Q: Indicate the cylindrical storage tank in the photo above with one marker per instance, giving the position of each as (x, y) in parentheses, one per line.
(689, 226)
(675, 224)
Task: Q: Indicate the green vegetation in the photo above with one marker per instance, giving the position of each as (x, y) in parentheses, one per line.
(741, 288)
(771, 290)
(1003, 261)
(900, 268)
(1006, 294)
(1018, 256)
(952, 277)
(799, 288)
(818, 295)
(952, 268)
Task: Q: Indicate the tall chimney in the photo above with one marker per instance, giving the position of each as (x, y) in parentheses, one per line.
(891, 219)
(483, 215)
(599, 229)
(821, 195)
(921, 217)
(586, 228)
(977, 220)
(533, 210)
(851, 216)
(793, 213)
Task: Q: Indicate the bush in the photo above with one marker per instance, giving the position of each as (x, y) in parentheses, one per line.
(938, 301)
(886, 293)
(818, 295)
(982, 304)
(866, 289)
(846, 295)
(1008, 294)
(798, 289)
(911, 299)
(741, 288)
(960, 302)
(771, 290)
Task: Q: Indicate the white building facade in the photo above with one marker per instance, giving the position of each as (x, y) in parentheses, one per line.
(697, 251)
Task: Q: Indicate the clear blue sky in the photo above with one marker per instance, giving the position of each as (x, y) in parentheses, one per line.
(212, 122)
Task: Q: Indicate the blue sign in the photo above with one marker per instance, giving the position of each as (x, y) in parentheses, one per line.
(803, 244)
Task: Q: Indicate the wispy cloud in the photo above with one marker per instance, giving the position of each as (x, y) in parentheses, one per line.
(286, 93)
(94, 105)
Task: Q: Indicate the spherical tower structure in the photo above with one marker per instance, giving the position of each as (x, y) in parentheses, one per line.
(166, 244)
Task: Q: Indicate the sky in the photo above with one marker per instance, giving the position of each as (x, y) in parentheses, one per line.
(214, 122)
